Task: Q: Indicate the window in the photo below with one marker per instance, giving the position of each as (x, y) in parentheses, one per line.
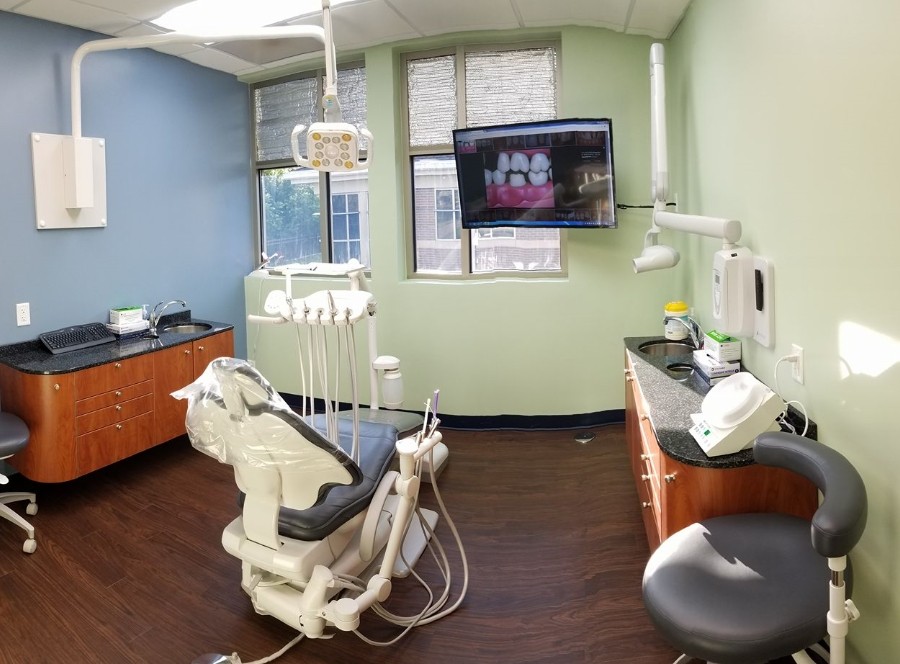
(297, 222)
(447, 214)
(347, 238)
(472, 86)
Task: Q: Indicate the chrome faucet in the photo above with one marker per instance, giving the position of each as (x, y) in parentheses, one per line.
(693, 328)
(157, 313)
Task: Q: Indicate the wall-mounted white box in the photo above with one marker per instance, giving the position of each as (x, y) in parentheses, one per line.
(69, 181)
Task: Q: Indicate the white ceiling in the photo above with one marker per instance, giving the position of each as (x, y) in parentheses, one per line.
(361, 23)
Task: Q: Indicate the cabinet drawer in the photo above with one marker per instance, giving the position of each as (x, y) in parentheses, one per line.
(113, 414)
(113, 443)
(113, 375)
(650, 452)
(650, 511)
(113, 397)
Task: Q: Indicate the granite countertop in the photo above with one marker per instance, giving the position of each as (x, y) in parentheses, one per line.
(32, 357)
(671, 400)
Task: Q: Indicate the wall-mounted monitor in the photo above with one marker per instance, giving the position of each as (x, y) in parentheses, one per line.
(551, 174)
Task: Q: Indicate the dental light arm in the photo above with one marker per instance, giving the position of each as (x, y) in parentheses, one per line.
(150, 41)
(332, 145)
(78, 179)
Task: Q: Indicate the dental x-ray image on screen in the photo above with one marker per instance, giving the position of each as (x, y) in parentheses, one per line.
(552, 174)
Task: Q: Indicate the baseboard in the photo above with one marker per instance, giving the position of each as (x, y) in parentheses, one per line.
(490, 422)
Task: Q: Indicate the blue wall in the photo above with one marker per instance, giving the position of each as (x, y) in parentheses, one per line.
(179, 191)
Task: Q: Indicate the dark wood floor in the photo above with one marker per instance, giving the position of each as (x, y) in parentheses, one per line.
(129, 566)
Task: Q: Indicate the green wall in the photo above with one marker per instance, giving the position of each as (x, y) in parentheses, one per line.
(512, 346)
(785, 115)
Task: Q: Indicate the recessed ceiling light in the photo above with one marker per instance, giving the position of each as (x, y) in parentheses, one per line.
(216, 16)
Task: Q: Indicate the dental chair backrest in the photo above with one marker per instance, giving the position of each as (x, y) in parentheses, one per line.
(235, 416)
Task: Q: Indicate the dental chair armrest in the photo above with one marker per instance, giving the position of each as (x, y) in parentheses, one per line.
(840, 520)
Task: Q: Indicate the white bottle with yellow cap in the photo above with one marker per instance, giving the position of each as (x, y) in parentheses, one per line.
(676, 318)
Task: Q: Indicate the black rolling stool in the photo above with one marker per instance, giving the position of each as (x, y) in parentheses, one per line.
(13, 438)
(750, 588)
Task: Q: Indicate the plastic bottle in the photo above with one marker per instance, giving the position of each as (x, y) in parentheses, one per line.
(675, 330)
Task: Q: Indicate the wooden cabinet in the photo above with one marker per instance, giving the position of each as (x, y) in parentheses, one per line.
(113, 412)
(86, 419)
(674, 495)
(176, 367)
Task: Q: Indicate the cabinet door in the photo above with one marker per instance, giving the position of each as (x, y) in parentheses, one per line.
(46, 403)
(209, 348)
(173, 368)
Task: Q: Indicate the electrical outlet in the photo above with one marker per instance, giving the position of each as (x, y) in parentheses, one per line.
(797, 364)
(23, 314)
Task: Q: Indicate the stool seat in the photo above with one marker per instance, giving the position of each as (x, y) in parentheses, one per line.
(13, 438)
(720, 590)
(13, 434)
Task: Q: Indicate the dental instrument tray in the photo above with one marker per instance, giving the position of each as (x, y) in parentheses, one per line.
(76, 337)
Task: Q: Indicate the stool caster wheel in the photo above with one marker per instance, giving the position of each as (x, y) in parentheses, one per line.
(30, 546)
(31, 509)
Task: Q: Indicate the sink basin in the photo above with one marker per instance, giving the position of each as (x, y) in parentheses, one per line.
(187, 328)
(665, 348)
(680, 370)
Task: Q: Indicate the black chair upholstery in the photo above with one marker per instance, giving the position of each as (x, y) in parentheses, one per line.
(342, 503)
(749, 588)
(14, 435)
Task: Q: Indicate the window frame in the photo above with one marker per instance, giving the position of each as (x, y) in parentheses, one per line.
(325, 221)
(409, 153)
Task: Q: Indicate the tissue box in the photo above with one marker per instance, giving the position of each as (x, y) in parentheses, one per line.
(126, 315)
(712, 369)
(721, 347)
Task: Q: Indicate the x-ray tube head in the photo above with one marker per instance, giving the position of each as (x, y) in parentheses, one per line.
(656, 257)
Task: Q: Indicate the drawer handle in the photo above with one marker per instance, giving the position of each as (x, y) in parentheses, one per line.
(645, 504)
(118, 393)
(118, 407)
(670, 478)
(119, 426)
(56, 386)
(118, 365)
(200, 348)
(645, 457)
(629, 379)
(645, 477)
(187, 352)
(645, 417)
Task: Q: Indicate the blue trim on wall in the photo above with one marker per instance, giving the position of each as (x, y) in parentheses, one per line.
(488, 422)
(179, 190)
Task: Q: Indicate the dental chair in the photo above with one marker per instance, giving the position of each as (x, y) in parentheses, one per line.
(320, 534)
(750, 588)
(14, 436)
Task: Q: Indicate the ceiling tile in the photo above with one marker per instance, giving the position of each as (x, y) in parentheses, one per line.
(367, 24)
(215, 59)
(655, 18)
(265, 51)
(144, 29)
(144, 10)
(8, 4)
(435, 18)
(610, 14)
(78, 15)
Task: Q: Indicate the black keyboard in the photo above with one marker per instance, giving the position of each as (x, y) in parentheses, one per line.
(76, 337)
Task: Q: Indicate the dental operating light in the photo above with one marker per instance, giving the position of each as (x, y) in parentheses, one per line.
(332, 145)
